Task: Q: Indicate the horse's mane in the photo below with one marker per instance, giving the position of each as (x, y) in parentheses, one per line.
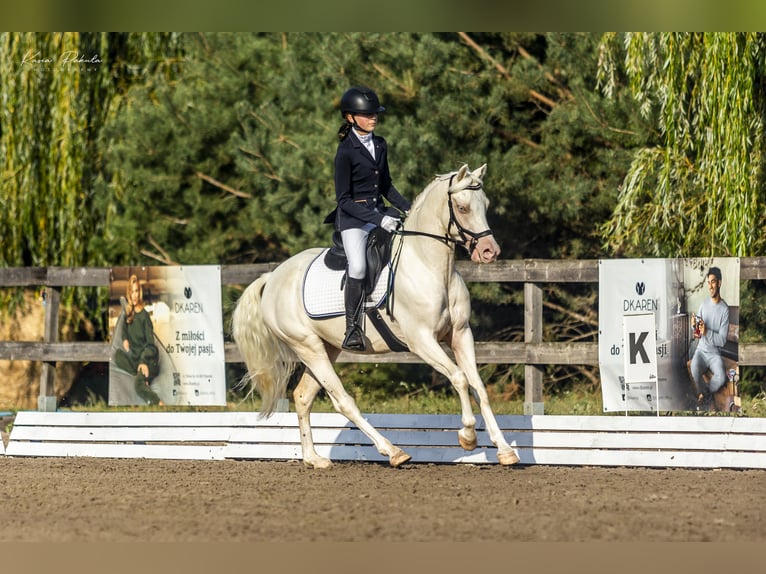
(438, 178)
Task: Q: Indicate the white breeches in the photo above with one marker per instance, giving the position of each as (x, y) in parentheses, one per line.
(355, 246)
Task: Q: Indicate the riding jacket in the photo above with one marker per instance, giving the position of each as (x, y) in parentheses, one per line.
(361, 182)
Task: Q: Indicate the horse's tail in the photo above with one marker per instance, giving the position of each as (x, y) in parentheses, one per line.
(269, 361)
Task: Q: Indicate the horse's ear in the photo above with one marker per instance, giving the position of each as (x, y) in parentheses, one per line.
(461, 172)
(481, 171)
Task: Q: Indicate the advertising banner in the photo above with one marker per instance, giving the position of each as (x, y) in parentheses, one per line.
(694, 307)
(166, 327)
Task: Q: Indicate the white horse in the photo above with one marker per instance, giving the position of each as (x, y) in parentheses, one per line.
(432, 305)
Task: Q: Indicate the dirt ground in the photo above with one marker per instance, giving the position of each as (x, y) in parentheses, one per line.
(129, 500)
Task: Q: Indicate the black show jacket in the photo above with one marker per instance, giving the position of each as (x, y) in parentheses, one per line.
(361, 182)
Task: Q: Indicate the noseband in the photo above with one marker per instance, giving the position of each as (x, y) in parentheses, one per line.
(471, 238)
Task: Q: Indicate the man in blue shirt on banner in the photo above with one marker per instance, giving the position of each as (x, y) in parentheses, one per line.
(711, 327)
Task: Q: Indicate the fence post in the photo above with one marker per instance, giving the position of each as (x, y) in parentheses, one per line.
(533, 333)
(46, 400)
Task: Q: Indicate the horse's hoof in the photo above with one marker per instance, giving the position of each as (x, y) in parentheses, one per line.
(508, 457)
(318, 463)
(466, 443)
(399, 458)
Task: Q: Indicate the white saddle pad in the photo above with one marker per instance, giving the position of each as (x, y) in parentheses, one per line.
(322, 296)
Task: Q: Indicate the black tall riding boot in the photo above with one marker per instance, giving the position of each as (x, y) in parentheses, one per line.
(354, 297)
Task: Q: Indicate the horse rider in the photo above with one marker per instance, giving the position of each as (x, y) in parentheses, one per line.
(362, 180)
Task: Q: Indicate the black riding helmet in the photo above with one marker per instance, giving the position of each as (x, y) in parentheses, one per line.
(360, 100)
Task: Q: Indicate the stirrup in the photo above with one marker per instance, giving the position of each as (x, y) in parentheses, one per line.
(354, 340)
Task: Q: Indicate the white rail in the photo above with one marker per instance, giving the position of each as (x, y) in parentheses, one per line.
(692, 442)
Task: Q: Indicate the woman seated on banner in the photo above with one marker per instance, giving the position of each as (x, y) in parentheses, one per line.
(139, 354)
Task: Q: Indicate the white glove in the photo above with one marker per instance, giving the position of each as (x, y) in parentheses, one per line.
(390, 223)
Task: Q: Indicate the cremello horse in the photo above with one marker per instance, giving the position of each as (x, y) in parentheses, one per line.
(432, 305)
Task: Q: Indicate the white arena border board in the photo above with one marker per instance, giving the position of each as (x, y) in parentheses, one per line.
(642, 441)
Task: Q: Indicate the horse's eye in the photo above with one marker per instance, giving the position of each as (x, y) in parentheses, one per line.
(462, 209)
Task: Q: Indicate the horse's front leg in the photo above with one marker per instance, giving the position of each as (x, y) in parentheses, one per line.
(429, 349)
(463, 347)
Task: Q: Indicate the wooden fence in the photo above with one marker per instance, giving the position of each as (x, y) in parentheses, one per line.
(533, 352)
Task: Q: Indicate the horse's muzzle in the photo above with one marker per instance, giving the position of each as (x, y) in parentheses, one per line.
(486, 251)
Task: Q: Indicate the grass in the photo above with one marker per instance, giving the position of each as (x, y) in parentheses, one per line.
(576, 402)
(418, 402)
(446, 402)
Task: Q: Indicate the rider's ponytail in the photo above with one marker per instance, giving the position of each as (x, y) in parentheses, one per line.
(343, 131)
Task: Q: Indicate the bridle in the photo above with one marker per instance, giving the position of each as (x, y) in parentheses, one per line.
(468, 239)
(465, 233)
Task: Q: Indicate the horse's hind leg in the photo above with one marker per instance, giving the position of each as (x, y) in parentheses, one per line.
(323, 373)
(304, 394)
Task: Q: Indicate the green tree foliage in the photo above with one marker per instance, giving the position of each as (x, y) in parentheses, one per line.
(57, 91)
(232, 162)
(697, 188)
(41, 148)
(565, 148)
